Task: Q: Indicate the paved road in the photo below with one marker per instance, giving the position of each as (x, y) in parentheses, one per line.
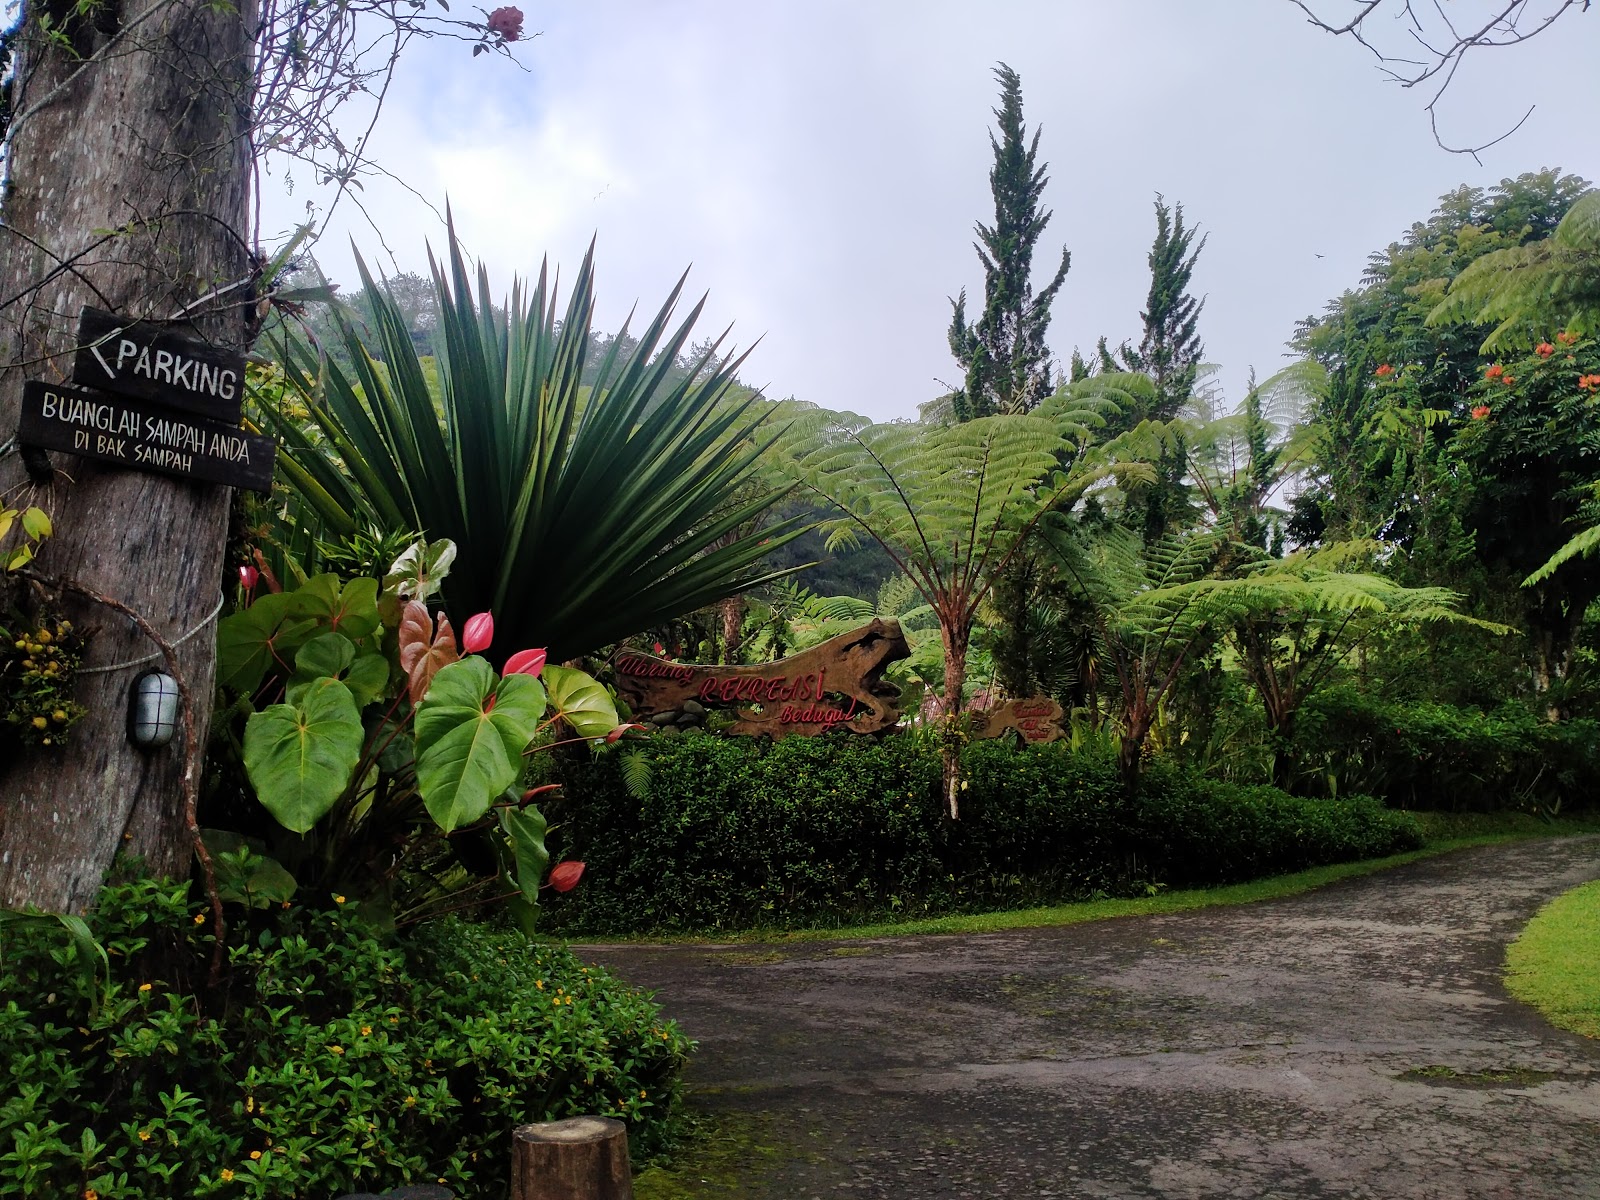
(1351, 1042)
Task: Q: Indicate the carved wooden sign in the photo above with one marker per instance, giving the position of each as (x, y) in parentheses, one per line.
(1037, 719)
(132, 434)
(835, 685)
(136, 358)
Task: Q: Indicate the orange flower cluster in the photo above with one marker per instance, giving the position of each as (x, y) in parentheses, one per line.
(1494, 372)
(1589, 383)
(1544, 349)
(1384, 371)
(1566, 338)
(1480, 412)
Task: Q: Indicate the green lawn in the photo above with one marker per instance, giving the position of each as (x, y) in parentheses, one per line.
(1444, 832)
(1555, 964)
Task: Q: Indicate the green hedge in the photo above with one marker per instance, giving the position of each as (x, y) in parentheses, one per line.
(1443, 757)
(817, 831)
(331, 1063)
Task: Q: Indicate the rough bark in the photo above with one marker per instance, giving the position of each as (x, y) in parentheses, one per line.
(581, 1158)
(128, 186)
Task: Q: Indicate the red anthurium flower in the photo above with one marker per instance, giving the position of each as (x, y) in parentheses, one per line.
(1544, 349)
(525, 662)
(477, 633)
(565, 877)
(1480, 412)
(507, 22)
(660, 649)
(1384, 371)
(248, 577)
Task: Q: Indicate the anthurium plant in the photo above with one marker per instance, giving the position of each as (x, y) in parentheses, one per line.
(389, 758)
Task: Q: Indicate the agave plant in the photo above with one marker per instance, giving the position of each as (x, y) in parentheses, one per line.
(583, 513)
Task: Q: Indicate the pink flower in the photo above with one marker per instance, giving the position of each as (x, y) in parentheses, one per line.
(478, 632)
(506, 22)
(565, 877)
(248, 577)
(660, 649)
(619, 732)
(525, 662)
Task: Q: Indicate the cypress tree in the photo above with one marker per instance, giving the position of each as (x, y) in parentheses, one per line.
(1006, 362)
(1170, 351)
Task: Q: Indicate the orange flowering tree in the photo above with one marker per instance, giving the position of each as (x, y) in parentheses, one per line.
(1530, 443)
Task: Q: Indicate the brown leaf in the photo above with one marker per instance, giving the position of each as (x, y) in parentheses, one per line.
(422, 651)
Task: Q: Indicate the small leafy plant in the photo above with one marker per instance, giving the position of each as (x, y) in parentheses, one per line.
(391, 757)
(37, 661)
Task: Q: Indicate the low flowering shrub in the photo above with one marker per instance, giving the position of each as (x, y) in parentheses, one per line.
(827, 830)
(330, 1062)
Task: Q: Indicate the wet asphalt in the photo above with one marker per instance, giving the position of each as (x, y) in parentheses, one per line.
(1356, 1041)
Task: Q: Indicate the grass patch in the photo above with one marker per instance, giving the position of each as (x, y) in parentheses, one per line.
(716, 1157)
(1555, 964)
(1445, 832)
(1503, 1077)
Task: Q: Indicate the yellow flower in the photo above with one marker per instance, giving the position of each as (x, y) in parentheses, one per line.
(255, 1154)
(249, 1104)
(410, 1101)
(144, 987)
(366, 1030)
(641, 1093)
(58, 715)
(90, 1194)
(40, 722)
(338, 899)
(539, 983)
(227, 1175)
(199, 918)
(144, 1135)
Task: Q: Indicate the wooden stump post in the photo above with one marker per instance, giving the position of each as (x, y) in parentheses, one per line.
(581, 1158)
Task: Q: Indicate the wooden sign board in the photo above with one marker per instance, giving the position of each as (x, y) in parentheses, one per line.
(835, 685)
(143, 436)
(1037, 719)
(136, 358)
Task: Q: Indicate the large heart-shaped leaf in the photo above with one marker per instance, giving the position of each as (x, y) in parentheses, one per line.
(350, 609)
(471, 731)
(525, 829)
(334, 656)
(581, 701)
(422, 652)
(417, 573)
(252, 642)
(300, 756)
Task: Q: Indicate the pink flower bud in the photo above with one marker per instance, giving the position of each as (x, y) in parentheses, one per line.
(525, 662)
(248, 577)
(565, 877)
(617, 734)
(478, 633)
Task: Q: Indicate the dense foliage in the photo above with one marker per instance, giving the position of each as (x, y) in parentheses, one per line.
(333, 1062)
(826, 830)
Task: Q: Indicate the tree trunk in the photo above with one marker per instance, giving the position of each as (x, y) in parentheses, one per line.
(732, 628)
(581, 1158)
(128, 186)
(955, 679)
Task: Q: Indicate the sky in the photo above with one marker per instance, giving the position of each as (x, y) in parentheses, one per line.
(819, 166)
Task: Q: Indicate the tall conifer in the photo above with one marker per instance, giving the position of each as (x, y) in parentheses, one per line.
(1170, 350)
(1006, 362)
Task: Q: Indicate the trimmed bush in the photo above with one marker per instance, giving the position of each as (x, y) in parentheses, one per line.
(817, 831)
(332, 1062)
(1442, 757)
